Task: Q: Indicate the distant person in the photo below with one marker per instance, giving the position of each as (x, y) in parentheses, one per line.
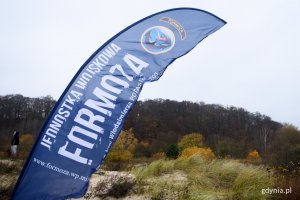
(15, 143)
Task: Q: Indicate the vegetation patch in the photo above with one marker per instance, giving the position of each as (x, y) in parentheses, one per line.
(111, 184)
(199, 178)
(8, 175)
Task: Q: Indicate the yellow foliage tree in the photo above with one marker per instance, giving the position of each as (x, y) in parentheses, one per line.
(191, 140)
(123, 148)
(26, 140)
(206, 153)
(117, 156)
(159, 155)
(144, 144)
(253, 156)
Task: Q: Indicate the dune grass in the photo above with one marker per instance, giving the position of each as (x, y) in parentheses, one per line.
(196, 178)
(9, 171)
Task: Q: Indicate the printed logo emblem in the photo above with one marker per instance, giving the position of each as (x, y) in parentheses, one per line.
(157, 40)
(176, 25)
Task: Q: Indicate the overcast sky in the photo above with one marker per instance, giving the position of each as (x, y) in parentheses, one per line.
(252, 62)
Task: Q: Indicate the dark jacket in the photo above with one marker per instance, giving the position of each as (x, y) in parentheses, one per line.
(15, 140)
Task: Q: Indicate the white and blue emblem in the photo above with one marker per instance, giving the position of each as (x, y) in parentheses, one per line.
(157, 40)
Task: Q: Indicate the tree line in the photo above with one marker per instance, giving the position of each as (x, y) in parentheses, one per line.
(24, 114)
(229, 131)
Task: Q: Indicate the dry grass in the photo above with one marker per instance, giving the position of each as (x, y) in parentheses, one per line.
(9, 171)
(216, 179)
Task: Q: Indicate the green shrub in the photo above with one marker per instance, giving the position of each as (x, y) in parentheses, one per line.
(172, 151)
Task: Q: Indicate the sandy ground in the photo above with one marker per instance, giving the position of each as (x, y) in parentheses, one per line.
(109, 177)
(102, 181)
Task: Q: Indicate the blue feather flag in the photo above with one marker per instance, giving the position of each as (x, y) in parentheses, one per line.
(88, 117)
